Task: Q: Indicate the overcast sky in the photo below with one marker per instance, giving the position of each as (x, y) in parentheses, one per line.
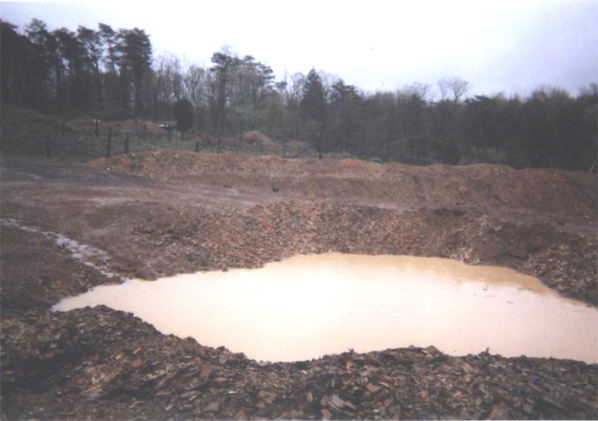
(498, 46)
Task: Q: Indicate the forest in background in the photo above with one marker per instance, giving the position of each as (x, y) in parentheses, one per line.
(112, 74)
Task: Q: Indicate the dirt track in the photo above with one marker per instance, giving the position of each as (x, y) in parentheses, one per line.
(156, 214)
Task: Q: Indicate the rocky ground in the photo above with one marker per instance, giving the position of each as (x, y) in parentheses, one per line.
(67, 227)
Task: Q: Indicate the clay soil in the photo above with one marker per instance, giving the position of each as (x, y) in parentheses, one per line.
(154, 214)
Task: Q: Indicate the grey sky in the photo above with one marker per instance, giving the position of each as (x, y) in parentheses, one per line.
(508, 46)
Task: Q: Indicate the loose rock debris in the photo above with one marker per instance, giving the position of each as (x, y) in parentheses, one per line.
(107, 364)
(102, 364)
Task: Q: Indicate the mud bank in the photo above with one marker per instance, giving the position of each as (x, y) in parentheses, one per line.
(100, 363)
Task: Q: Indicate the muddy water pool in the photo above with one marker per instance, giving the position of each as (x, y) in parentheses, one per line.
(311, 305)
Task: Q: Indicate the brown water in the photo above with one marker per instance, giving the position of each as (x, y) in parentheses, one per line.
(309, 306)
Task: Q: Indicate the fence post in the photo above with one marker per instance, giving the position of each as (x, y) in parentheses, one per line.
(48, 146)
(109, 141)
(127, 143)
(197, 146)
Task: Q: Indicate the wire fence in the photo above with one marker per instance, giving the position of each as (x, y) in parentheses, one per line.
(84, 140)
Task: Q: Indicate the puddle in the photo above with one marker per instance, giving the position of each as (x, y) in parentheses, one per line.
(309, 306)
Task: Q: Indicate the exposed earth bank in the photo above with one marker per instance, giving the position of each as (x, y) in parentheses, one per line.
(68, 227)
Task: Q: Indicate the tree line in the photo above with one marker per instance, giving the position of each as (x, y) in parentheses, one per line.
(112, 74)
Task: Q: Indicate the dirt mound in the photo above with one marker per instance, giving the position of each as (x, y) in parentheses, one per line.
(255, 136)
(560, 193)
(297, 149)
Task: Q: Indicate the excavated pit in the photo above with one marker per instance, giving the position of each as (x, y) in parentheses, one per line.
(67, 228)
(309, 306)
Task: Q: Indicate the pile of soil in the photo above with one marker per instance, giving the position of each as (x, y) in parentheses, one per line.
(476, 186)
(255, 136)
(297, 149)
(176, 212)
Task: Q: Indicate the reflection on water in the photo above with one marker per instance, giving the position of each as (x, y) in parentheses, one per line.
(309, 306)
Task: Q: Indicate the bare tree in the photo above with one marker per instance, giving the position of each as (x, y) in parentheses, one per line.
(196, 82)
(195, 85)
(418, 90)
(453, 86)
(169, 78)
